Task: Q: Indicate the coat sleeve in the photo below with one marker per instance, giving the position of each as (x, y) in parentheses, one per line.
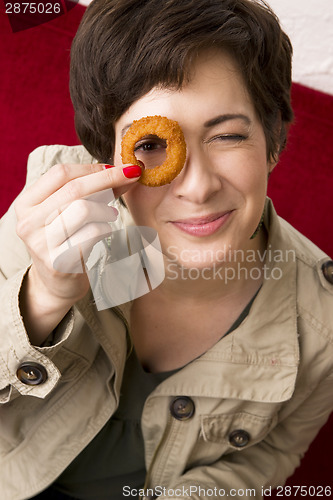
(267, 464)
(15, 260)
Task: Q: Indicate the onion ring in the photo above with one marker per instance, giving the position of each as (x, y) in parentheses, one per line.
(165, 129)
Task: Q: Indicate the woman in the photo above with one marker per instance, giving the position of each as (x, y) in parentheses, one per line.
(216, 381)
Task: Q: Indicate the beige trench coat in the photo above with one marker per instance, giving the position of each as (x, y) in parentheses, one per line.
(255, 400)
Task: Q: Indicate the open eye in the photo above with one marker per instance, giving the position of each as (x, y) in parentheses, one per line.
(150, 143)
(147, 146)
(151, 150)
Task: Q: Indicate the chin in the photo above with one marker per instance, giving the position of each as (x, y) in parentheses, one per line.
(194, 256)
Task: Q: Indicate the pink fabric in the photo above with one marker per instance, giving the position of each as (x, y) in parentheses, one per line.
(36, 110)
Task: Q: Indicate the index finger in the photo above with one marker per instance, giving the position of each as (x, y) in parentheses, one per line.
(55, 178)
(86, 185)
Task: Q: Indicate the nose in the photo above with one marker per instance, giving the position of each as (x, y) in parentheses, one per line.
(198, 181)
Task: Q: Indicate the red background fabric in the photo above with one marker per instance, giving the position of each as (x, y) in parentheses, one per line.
(301, 184)
(36, 110)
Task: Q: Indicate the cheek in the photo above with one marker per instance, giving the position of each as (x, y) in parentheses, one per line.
(255, 168)
(134, 203)
(254, 177)
(142, 203)
(245, 171)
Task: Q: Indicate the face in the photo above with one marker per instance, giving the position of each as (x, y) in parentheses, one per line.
(217, 200)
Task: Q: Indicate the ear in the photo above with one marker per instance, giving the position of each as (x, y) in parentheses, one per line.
(271, 164)
(274, 159)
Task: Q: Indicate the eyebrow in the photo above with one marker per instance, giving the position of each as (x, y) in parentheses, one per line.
(225, 118)
(210, 123)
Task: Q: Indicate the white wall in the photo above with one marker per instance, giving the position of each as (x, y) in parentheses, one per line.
(309, 24)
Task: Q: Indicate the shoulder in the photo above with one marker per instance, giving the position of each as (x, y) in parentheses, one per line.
(315, 297)
(313, 276)
(314, 267)
(314, 288)
(44, 157)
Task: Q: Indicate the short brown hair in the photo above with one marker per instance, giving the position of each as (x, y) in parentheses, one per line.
(124, 48)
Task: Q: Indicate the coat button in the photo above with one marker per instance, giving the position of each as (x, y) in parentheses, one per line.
(182, 408)
(31, 373)
(327, 269)
(239, 438)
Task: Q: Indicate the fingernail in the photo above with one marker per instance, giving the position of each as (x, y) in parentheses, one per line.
(108, 166)
(132, 171)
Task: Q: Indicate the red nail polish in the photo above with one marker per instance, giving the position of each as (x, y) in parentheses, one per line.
(132, 171)
(108, 166)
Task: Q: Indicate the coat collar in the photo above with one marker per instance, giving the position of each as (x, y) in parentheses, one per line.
(258, 361)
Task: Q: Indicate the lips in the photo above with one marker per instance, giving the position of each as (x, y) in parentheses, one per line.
(204, 225)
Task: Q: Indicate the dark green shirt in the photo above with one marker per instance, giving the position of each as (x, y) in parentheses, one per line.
(115, 457)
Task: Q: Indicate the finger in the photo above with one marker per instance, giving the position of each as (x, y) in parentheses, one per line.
(121, 190)
(118, 191)
(76, 215)
(84, 186)
(106, 196)
(55, 178)
(72, 255)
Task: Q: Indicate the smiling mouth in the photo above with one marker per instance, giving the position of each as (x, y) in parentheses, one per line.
(203, 226)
